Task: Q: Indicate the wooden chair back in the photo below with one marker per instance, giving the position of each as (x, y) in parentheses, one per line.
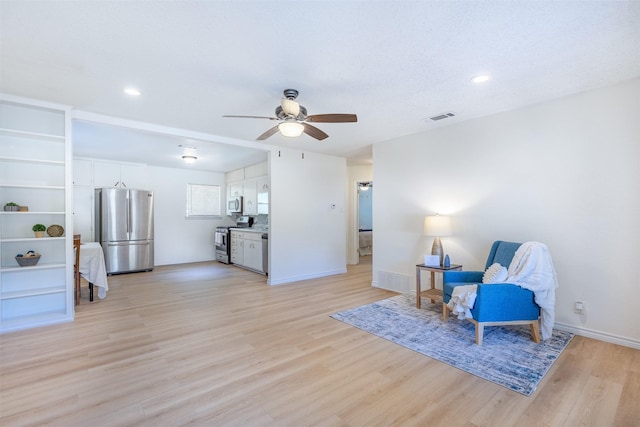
(76, 267)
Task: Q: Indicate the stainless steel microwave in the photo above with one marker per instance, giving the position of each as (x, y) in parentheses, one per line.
(234, 205)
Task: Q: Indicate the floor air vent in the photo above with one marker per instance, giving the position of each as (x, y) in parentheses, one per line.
(442, 116)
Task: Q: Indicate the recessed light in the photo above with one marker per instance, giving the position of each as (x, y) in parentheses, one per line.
(480, 78)
(132, 91)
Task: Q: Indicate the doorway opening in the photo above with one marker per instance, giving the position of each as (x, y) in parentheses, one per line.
(365, 219)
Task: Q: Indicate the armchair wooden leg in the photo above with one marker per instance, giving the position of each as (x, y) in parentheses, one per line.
(535, 332)
(445, 311)
(479, 333)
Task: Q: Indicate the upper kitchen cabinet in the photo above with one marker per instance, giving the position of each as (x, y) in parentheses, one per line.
(249, 198)
(256, 171)
(119, 175)
(235, 190)
(82, 172)
(249, 182)
(35, 173)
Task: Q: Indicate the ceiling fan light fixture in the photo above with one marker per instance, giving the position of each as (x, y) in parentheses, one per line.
(290, 107)
(291, 129)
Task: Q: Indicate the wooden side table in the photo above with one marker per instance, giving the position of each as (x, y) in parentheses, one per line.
(433, 293)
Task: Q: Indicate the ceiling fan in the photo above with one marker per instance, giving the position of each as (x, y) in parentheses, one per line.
(294, 120)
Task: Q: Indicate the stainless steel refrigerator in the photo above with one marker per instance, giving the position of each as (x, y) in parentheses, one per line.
(124, 228)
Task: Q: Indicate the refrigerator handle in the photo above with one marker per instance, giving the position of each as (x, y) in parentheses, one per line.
(128, 219)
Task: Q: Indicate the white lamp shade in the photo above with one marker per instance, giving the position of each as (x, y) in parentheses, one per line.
(437, 225)
(290, 107)
(291, 129)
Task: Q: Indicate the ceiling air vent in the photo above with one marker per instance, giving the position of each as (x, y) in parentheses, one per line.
(442, 116)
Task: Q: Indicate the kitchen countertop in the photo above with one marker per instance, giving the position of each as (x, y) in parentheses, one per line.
(250, 229)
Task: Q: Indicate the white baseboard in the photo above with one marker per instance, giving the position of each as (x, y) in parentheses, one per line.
(284, 280)
(597, 335)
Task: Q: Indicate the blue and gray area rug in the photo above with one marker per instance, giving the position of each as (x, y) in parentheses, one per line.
(507, 357)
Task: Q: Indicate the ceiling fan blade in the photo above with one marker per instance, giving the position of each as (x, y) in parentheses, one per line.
(268, 133)
(252, 117)
(332, 118)
(314, 132)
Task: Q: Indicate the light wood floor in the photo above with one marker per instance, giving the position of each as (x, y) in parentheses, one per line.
(213, 345)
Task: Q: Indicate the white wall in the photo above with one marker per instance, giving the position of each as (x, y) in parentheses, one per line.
(355, 174)
(307, 236)
(178, 239)
(564, 173)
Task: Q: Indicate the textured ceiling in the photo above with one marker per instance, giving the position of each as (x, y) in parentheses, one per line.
(393, 63)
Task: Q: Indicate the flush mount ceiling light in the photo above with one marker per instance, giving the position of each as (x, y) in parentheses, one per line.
(132, 91)
(189, 159)
(291, 129)
(364, 186)
(482, 78)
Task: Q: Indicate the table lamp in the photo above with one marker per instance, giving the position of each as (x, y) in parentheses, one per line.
(437, 226)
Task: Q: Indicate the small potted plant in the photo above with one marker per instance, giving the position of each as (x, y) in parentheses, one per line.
(11, 207)
(39, 229)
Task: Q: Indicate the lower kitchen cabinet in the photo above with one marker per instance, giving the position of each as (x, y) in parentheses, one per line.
(246, 250)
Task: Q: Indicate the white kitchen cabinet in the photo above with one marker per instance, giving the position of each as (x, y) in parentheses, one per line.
(262, 200)
(235, 190)
(249, 198)
(256, 171)
(82, 172)
(119, 175)
(237, 247)
(249, 182)
(262, 185)
(246, 250)
(253, 251)
(35, 172)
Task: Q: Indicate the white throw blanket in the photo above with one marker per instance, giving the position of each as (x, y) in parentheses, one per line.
(532, 268)
(462, 299)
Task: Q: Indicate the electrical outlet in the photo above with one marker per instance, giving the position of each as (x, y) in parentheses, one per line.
(578, 307)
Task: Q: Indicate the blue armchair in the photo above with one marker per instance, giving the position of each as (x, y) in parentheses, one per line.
(496, 303)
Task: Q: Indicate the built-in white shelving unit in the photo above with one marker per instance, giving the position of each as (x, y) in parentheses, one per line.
(35, 171)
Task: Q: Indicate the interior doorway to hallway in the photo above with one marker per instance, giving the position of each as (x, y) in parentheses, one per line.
(365, 219)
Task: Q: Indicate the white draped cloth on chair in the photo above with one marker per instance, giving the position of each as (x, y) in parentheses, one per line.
(532, 268)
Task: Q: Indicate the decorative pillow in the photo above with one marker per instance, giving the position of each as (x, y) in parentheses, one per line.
(495, 274)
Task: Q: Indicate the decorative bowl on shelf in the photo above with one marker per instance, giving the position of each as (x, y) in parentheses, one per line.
(55, 230)
(28, 260)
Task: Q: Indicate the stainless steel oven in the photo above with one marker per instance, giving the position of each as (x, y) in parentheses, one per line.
(223, 246)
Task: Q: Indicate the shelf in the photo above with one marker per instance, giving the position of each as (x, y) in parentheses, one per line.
(26, 160)
(36, 171)
(33, 187)
(30, 213)
(34, 267)
(32, 239)
(434, 294)
(32, 321)
(33, 292)
(34, 135)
